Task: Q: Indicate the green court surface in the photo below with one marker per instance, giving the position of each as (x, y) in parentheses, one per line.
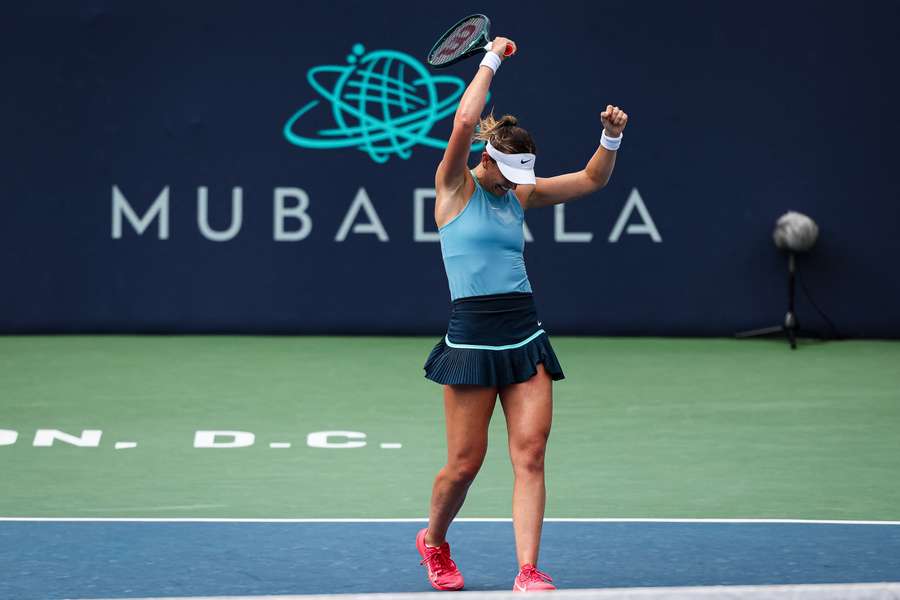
(643, 427)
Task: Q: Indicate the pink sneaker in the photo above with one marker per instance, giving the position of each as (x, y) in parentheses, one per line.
(530, 579)
(442, 571)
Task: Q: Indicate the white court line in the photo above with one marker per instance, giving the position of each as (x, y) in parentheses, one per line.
(424, 520)
(836, 591)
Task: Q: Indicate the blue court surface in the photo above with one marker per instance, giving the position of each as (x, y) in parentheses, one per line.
(104, 559)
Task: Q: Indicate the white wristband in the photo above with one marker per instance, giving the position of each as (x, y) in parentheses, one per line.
(491, 61)
(610, 143)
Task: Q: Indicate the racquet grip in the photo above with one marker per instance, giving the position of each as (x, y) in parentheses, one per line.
(507, 52)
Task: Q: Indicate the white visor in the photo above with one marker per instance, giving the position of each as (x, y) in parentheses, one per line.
(518, 168)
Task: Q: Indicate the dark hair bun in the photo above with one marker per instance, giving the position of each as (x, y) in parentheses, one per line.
(508, 121)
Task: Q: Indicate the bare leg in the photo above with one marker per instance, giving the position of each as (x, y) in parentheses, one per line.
(467, 410)
(528, 407)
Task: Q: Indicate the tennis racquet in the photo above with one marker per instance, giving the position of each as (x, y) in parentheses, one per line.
(470, 36)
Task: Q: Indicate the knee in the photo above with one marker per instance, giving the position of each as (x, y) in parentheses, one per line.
(463, 470)
(528, 455)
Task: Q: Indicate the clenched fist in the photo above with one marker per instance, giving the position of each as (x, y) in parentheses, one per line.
(503, 47)
(614, 120)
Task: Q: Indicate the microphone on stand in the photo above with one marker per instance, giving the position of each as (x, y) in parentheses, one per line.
(794, 232)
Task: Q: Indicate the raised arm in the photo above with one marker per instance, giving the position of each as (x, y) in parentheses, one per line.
(451, 172)
(563, 188)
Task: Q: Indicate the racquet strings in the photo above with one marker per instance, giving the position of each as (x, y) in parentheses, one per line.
(458, 41)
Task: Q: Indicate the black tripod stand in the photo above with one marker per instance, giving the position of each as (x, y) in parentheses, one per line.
(789, 328)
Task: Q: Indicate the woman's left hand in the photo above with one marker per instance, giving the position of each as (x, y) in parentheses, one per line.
(614, 120)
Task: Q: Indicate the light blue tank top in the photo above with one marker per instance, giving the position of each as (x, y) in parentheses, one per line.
(482, 246)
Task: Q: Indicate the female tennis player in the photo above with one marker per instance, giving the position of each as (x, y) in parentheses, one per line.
(495, 344)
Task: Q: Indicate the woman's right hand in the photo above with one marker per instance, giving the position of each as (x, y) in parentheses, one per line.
(499, 47)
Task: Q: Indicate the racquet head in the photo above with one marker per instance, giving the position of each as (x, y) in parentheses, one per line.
(467, 38)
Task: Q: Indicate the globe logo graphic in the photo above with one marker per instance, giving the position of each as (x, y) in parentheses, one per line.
(383, 103)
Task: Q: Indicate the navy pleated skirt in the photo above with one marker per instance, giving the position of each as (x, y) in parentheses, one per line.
(492, 341)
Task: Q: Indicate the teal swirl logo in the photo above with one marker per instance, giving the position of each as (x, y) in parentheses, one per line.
(383, 103)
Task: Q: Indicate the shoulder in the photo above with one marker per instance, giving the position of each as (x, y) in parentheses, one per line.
(450, 202)
(463, 191)
(523, 193)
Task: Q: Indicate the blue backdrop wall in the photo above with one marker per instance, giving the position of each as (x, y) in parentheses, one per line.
(202, 167)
